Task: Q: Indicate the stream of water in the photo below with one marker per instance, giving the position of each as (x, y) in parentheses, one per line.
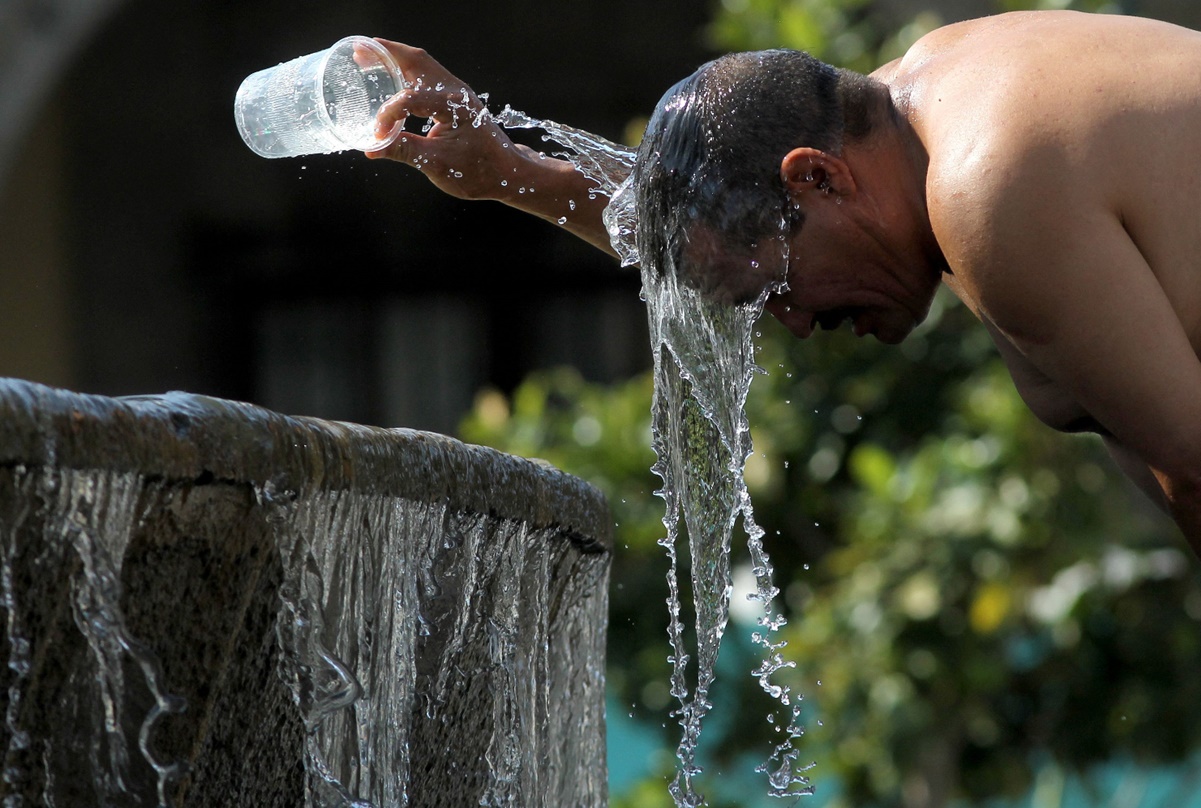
(703, 368)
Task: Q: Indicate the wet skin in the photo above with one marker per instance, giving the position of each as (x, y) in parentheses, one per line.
(1044, 165)
(1064, 164)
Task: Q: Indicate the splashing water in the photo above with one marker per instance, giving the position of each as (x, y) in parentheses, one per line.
(448, 606)
(402, 625)
(703, 365)
(91, 520)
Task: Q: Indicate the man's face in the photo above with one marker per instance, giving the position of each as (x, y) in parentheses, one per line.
(730, 275)
(834, 275)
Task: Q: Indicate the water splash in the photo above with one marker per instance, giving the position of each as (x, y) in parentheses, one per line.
(606, 163)
(703, 366)
(403, 625)
(703, 371)
(392, 672)
(92, 516)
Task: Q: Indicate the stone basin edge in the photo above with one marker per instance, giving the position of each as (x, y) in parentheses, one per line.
(186, 436)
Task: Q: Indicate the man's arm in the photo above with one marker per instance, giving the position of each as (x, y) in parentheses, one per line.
(465, 153)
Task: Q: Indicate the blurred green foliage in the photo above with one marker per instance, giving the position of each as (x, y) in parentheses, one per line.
(857, 34)
(973, 598)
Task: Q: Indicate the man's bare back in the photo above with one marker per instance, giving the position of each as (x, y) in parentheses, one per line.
(1063, 185)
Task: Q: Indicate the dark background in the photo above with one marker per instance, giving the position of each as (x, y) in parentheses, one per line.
(144, 248)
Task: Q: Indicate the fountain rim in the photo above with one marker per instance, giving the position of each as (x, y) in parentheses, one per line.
(180, 436)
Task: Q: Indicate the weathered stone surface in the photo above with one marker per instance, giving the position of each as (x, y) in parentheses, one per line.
(191, 512)
(181, 436)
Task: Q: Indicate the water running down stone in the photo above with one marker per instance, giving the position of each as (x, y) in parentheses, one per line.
(351, 616)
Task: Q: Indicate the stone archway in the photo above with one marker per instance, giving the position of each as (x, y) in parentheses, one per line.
(38, 40)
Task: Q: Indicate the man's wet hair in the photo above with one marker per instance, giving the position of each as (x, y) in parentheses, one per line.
(712, 150)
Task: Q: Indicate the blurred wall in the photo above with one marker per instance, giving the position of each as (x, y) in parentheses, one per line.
(34, 315)
(143, 247)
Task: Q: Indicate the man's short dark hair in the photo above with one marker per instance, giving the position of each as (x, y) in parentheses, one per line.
(712, 150)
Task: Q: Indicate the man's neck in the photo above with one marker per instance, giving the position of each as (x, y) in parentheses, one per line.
(891, 165)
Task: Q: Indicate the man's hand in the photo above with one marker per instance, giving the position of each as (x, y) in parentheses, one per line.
(462, 150)
(467, 155)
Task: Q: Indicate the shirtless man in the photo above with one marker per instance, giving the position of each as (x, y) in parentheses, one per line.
(1044, 165)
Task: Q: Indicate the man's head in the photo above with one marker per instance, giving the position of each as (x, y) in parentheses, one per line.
(708, 169)
(754, 147)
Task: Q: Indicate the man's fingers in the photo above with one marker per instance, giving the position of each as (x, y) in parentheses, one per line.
(394, 111)
(432, 91)
(403, 149)
(364, 57)
(446, 106)
(410, 58)
(443, 102)
(412, 148)
(416, 64)
(386, 133)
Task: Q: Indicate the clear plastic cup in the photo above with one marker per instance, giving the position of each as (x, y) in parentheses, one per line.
(320, 103)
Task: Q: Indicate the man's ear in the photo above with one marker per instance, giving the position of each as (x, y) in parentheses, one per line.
(805, 170)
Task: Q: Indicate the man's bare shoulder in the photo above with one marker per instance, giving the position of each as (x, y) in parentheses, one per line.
(1051, 72)
(1031, 150)
(1022, 37)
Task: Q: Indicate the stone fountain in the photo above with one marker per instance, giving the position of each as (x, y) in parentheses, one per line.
(206, 603)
